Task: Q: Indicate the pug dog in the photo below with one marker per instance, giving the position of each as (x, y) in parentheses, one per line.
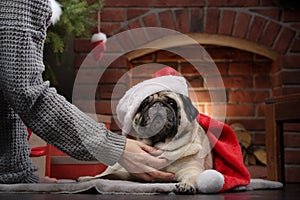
(166, 121)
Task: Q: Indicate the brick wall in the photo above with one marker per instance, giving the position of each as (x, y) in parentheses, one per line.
(260, 21)
(248, 77)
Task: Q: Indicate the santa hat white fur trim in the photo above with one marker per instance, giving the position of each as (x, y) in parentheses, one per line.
(56, 11)
(98, 37)
(132, 99)
(210, 181)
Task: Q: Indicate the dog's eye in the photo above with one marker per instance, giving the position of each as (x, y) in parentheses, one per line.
(171, 102)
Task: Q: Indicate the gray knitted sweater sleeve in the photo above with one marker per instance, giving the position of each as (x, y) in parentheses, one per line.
(27, 101)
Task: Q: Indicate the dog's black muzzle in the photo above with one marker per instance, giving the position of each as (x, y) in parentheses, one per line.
(159, 120)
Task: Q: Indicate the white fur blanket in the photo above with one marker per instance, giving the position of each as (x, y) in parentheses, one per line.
(104, 186)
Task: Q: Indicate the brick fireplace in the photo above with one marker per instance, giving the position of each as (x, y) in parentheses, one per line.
(255, 45)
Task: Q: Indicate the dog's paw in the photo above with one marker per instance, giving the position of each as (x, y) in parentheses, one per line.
(184, 188)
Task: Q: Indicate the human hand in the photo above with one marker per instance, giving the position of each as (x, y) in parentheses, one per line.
(139, 160)
(47, 179)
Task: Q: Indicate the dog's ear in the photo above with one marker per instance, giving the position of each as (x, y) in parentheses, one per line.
(190, 110)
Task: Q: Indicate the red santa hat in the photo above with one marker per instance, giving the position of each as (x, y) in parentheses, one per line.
(229, 170)
(133, 97)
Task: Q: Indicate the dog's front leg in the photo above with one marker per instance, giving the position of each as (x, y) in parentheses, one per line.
(187, 180)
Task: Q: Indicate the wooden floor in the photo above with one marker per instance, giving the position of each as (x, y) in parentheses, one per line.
(290, 192)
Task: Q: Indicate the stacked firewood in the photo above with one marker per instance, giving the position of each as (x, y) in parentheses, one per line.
(252, 155)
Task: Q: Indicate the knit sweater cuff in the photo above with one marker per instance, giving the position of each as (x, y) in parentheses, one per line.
(33, 178)
(112, 148)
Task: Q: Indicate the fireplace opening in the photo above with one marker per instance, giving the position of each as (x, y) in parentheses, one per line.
(247, 82)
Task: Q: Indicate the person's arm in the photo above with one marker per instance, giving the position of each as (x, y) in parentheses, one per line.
(22, 32)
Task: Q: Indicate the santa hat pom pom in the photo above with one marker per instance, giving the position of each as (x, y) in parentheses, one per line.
(56, 11)
(166, 71)
(98, 37)
(98, 41)
(210, 181)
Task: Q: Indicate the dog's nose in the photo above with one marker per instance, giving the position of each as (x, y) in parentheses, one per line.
(157, 109)
(157, 124)
(157, 105)
(157, 115)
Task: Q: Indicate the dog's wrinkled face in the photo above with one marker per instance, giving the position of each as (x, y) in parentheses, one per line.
(159, 115)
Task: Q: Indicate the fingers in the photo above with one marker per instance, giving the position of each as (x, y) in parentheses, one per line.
(155, 162)
(157, 152)
(143, 176)
(145, 155)
(47, 179)
(161, 175)
(142, 162)
(151, 150)
(139, 159)
(148, 149)
(155, 174)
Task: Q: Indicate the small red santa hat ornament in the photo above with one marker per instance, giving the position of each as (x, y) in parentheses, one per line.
(229, 170)
(98, 41)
